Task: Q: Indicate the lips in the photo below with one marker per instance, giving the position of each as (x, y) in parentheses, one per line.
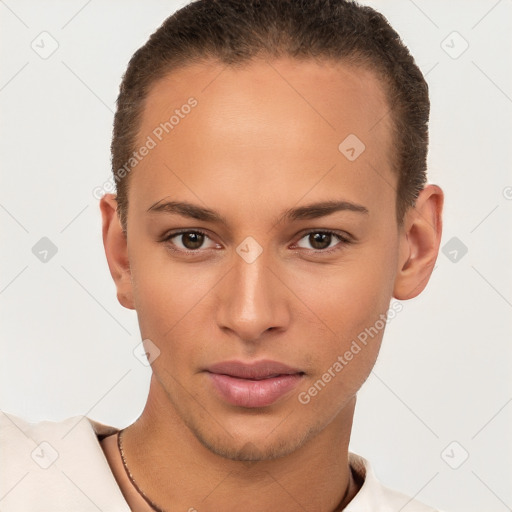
(253, 385)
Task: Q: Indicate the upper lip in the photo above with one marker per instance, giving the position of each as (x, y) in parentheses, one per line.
(256, 370)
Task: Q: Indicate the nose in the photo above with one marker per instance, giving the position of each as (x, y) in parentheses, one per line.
(252, 300)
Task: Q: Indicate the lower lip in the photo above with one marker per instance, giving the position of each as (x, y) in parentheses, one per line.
(254, 393)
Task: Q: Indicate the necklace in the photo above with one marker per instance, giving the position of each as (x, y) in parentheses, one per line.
(157, 508)
(146, 499)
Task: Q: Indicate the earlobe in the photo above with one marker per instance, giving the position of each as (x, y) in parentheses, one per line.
(116, 250)
(419, 243)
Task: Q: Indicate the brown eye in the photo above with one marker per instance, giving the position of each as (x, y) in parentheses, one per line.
(320, 241)
(192, 240)
(323, 241)
(189, 240)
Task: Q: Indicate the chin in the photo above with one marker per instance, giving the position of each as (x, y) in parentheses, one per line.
(250, 451)
(253, 448)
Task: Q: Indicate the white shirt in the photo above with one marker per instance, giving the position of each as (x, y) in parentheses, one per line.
(60, 467)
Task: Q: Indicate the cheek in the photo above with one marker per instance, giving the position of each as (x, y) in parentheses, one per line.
(351, 301)
(350, 296)
(172, 315)
(168, 294)
(353, 306)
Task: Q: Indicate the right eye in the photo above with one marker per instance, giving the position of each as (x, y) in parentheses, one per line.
(188, 240)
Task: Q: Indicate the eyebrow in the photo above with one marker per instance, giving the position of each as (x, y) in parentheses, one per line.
(310, 211)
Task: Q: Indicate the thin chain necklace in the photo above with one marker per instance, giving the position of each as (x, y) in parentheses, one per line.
(156, 507)
(146, 499)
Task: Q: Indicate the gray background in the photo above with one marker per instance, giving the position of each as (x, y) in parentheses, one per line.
(441, 389)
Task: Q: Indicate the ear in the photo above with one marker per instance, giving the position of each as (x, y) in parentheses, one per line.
(116, 250)
(420, 237)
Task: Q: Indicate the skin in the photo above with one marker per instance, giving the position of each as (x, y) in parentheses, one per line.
(263, 139)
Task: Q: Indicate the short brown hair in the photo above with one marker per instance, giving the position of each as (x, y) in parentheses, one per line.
(236, 31)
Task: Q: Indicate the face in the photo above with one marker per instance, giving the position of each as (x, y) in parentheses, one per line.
(280, 244)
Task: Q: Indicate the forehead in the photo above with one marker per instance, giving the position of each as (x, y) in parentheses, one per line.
(277, 123)
(330, 95)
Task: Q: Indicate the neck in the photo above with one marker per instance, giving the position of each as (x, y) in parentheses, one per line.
(177, 472)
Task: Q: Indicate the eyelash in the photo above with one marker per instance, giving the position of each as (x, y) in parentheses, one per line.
(344, 240)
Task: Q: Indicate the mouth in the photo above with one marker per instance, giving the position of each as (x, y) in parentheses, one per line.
(258, 384)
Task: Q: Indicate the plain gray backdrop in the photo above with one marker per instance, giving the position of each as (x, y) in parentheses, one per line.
(435, 416)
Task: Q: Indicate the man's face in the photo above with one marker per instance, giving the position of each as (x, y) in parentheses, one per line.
(262, 140)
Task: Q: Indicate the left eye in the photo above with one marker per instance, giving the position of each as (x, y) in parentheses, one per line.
(321, 240)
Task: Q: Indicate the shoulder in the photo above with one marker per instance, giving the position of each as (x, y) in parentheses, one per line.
(55, 465)
(11, 424)
(373, 495)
